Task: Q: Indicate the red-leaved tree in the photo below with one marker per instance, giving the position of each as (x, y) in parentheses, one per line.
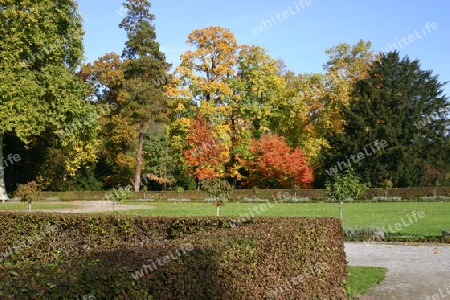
(273, 164)
(206, 155)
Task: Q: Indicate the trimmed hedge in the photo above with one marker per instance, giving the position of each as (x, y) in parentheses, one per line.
(112, 257)
(407, 193)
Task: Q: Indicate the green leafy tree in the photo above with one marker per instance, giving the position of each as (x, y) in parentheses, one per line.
(40, 49)
(257, 88)
(218, 189)
(344, 187)
(27, 193)
(145, 66)
(386, 108)
(160, 162)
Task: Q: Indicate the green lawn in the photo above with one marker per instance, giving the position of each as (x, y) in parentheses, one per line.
(36, 205)
(361, 279)
(435, 214)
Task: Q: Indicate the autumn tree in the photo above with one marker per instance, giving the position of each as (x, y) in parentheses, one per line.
(146, 66)
(301, 115)
(273, 164)
(204, 72)
(206, 153)
(256, 90)
(117, 151)
(200, 84)
(349, 62)
(346, 64)
(40, 49)
(309, 106)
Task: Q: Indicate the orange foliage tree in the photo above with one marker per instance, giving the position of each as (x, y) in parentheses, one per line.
(273, 164)
(206, 154)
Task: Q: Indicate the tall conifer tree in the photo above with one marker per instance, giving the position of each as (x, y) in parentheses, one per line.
(145, 68)
(402, 105)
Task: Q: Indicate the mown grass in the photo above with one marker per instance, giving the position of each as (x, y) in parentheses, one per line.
(389, 215)
(23, 206)
(361, 279)
(436, 214)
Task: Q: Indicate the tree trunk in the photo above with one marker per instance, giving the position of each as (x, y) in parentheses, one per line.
(29, 206)
(138, 169)
(217, 210)
(340, 209)
(3, 195)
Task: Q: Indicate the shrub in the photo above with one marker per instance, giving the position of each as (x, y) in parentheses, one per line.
(210, 199)
(445, 238)
(178, 200)
(121, 194)
(218, 189)
(372, 233)
(435, 198)
(296, 200)
(27, 193)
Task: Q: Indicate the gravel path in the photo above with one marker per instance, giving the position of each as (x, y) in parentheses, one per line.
(414, 272)
(94, 206)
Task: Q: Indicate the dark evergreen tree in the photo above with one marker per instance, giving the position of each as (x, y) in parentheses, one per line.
(145, 72)
(395, 126)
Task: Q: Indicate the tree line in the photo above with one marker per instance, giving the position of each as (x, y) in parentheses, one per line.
(227, 111)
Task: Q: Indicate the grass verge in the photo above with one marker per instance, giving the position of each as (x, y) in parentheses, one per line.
(361, 279)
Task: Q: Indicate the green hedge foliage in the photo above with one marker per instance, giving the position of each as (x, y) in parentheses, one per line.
(51, 256)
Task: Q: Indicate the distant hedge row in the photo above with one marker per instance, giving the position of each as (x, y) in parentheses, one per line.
(270, 194)
(371, 233)
(49, 256)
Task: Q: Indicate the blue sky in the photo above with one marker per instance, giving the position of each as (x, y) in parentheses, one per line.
(305, 31)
